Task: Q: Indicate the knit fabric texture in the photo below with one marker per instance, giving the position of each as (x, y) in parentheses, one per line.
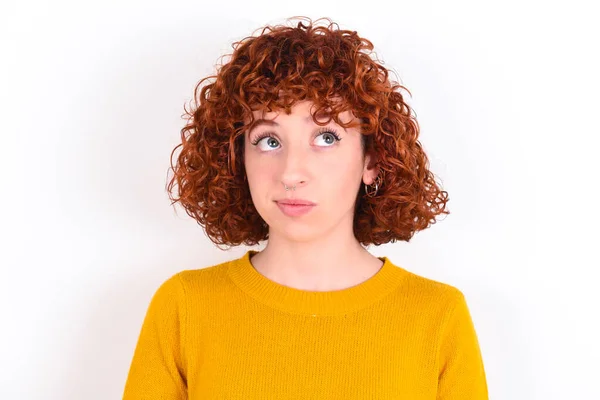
(229, 332)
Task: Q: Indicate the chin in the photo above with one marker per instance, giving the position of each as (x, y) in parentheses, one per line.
(294, 232)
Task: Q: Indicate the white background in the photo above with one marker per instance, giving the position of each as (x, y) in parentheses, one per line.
(92, 93)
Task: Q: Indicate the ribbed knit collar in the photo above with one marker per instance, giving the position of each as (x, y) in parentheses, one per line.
(315, 303)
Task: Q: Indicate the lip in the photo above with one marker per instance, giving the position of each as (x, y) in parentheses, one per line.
(295, 208)
(296, 202)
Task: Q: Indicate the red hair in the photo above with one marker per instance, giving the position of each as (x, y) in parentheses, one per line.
(272, 71)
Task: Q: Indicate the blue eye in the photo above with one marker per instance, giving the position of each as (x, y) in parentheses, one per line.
(325, 132)
(265, 136)
(332, 135)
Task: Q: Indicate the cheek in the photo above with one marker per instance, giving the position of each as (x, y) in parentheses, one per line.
(342, 182)
(253, 167)
(260, 181)
(343, 186)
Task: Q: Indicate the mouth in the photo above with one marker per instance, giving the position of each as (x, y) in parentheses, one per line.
(294, 202)
(295, 208)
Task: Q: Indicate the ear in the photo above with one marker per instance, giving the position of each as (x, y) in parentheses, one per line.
(369, 172)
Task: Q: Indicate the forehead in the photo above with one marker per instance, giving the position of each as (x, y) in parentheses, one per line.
(305, 109)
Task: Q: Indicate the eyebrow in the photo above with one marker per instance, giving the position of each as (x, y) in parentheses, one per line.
(269, 122)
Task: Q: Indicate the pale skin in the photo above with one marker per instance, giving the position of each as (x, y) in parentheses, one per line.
(316, 251)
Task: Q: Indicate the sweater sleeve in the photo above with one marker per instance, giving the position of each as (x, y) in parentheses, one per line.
(157, 370)
(461, 375)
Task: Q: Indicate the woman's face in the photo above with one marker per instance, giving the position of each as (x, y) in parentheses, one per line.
(293, 150)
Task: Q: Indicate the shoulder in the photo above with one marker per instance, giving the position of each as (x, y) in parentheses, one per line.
(429, 295)
(432, 287)
(186, 288)
(192, 282)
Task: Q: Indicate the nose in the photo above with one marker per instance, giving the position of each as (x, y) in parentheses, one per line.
(294, 169)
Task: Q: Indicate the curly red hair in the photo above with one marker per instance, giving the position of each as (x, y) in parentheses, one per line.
(272, 71)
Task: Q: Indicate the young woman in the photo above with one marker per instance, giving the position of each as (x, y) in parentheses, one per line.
(302, 141)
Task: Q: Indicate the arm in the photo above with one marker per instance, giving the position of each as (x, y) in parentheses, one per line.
(158, 368)
(461, 375)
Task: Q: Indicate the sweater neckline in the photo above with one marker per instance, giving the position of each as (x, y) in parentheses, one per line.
(314, 303)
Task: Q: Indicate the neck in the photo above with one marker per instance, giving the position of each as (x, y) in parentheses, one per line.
(321, 265)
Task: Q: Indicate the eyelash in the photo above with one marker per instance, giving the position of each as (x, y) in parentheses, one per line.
(321, 131)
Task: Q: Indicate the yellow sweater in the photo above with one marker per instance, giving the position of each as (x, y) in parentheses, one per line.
(229, 332)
